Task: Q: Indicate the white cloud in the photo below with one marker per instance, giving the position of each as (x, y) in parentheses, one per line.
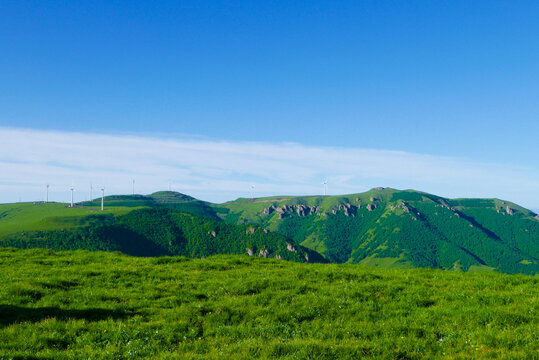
(223, 170)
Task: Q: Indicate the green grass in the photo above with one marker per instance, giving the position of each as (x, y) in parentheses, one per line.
(98, 305)
(24, 217)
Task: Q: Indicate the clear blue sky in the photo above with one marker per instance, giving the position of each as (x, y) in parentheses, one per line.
(435, 77)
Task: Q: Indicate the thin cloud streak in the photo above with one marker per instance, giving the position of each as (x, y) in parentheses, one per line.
(222, 170)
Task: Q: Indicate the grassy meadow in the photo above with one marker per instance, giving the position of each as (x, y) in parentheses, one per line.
(25, 217)
(102, 305)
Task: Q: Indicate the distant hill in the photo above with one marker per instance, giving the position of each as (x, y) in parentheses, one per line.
(383, 227)
(140, 227)
(392, 228)
(169, 199)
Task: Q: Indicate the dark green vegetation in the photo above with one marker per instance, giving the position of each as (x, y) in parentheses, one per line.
(390, 228)
(156, 231)
(381, 228)
(102, 305)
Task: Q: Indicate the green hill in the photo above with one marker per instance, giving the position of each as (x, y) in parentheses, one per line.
(96, 305)
(391, 228)
(135, 229)
(383, 227)
(169, 199)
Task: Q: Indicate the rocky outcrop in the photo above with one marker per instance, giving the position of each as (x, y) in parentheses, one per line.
(302, 210)
(212, 233)
(289, 210)
(307, 257)
(278, 257)
(373, 199)
(536, 217)
(264, 253)
(250, 231)
(509, 210)
(289, 247)
(249, 252)
(348, 209)
(269, 210)
(371, 207)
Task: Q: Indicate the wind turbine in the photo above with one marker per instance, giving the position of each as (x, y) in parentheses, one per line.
(47, 193)
(252, 192)
(325, 186)
(133, 186)
(91, 188)
(72, 189)
(102, 198)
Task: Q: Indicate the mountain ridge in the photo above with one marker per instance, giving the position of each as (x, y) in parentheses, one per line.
(382, 227)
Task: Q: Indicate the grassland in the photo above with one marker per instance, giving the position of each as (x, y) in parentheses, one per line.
(102, 305)
(24, 217)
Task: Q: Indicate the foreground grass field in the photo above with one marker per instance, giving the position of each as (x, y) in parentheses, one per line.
(98, 305)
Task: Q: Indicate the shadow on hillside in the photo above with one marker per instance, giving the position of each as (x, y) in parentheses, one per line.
(10, 314)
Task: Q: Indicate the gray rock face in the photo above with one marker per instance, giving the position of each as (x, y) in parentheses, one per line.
(301, 210)
(264, 253)
(249, 252)
(371, 207)
(290, 248)
(288, 210)
(509, 210)
(278, 257)
(269, 210)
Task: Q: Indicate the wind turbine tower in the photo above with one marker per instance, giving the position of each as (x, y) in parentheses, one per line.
(91, 188)
(133, 186)
(47, 198)
(102, 199)
(252, 192)
(325, 187)
(72, 189)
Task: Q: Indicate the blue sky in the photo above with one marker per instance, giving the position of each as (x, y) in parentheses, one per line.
(444, 79)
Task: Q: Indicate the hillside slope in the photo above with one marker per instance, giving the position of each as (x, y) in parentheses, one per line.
(147, 231)
(391, 228)
(167, 199)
